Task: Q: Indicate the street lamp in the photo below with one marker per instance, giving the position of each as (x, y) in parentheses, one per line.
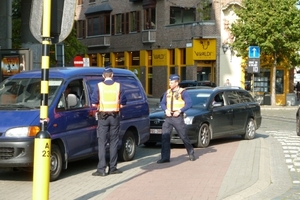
(225, 47)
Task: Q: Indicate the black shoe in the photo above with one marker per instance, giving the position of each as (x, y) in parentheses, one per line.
(192, 157)
(99, 173)
(163, 161)
(116, 171)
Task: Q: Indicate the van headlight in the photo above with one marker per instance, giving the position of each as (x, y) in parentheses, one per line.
(188, 120)
(29, 131)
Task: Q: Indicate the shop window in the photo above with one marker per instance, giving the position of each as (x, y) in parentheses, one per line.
(183, 73)
(119, 61)
(80, 28)
(172, 56)
(93, 59)
(150, 18)
(182, 56)
(135, 58)
(150, 58)
(279, 81)
(179, 15)
(99, 24)
(172, 70)
(150, 80)
(261, 82)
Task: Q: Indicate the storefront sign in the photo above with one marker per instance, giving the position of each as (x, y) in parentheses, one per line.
(159, 57)
(204, 49)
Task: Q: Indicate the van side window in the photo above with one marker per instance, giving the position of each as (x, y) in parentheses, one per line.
(74, 101)
(132, 89)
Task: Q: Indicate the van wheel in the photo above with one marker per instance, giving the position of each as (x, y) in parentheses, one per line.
(203, 136)
(127, 151)
(55, 163)
(250, 130)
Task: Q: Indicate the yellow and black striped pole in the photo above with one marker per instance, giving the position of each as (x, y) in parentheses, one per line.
(42, 141)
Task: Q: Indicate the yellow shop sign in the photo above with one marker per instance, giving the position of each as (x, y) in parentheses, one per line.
(204, 49)
(159, 57)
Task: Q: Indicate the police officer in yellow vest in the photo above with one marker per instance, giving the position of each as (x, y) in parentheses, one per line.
(109, 98)
(175, 102)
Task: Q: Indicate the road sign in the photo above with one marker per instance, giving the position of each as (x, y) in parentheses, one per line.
(78, 61)
(253, 65)
(254, 52)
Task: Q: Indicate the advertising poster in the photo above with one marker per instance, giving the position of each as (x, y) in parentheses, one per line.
(10, 65)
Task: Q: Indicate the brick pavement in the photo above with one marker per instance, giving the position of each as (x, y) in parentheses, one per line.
(229, 168)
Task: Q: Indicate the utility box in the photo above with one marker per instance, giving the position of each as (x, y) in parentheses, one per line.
(291, 99)
(267, 98)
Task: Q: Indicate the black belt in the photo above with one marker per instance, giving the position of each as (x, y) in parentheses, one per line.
(110, 113)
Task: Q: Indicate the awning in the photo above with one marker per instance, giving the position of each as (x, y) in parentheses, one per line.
(100, 8)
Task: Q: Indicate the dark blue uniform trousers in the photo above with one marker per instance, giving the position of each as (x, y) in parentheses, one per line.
(167, 127)
(108, 128)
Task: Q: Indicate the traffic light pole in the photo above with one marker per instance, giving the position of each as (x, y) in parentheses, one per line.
(42, 141)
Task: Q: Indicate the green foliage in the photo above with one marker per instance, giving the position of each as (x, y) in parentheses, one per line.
(72, 48)
(16, 24)
(204, 9)
(273, 25)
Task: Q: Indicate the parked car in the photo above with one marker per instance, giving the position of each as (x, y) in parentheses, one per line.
(192, 83)
(72, 125)
(216, 112)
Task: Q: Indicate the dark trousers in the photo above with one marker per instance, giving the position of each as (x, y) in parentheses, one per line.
(108, 129)
(167, 127)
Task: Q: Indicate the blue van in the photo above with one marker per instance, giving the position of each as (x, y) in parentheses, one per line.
(72, 124)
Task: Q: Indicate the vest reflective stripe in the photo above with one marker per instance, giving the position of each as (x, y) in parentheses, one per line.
(109, 96)
(177, 103)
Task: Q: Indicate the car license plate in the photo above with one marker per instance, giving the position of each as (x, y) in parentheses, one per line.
(156, 131)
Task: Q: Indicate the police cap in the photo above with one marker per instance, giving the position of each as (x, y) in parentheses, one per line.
(108, 70)
(174, 77)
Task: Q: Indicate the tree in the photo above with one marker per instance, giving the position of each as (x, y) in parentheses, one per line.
(274, 26)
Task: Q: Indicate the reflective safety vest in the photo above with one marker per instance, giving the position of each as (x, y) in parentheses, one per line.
(109, 97)
(178, 102)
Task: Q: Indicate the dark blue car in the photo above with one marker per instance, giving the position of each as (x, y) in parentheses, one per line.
(216, 112)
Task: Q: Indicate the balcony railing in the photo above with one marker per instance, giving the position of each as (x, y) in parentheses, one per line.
(149, 36)
(97, 41)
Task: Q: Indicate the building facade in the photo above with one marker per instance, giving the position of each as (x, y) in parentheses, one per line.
(156, 38)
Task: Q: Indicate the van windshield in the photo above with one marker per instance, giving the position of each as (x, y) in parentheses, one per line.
(25, 92)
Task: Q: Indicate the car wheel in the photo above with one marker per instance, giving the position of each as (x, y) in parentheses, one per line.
(150, 144)
(127, 151)
(55, 162)
(204, 136)
(297, 125)
(250, 130)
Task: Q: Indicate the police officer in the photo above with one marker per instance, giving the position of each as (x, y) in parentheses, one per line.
(175, 102)
(109, 97)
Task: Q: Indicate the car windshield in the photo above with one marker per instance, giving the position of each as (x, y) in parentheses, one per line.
(24, 93)
(199, 99)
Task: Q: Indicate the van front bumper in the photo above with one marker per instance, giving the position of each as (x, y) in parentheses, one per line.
(17, 152)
